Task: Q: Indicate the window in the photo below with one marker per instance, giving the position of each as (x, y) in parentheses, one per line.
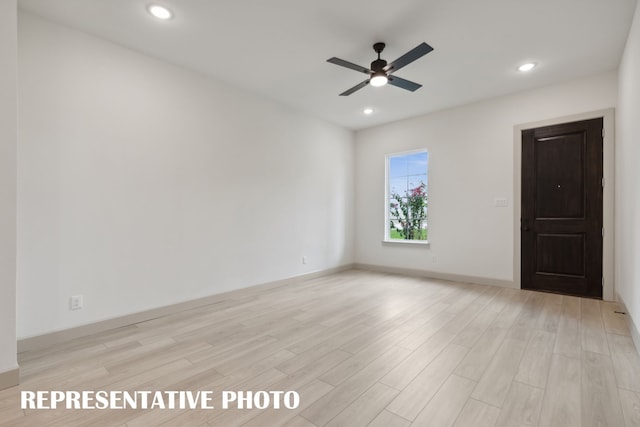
(406, 197)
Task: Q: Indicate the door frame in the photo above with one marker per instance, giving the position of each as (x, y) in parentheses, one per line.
(608, 159)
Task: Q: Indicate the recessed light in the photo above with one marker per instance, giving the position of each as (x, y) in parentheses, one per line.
(368, 111)
(160, 12)
(527, 67)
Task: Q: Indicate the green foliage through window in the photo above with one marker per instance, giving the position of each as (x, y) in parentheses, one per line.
(407, 196)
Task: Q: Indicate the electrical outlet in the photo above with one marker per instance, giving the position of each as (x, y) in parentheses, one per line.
(76, 302)
(304, 259)
(434, 259)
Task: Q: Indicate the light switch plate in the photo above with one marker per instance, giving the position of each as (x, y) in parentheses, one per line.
(502, 203)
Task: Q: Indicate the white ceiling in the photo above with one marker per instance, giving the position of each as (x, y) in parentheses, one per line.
(279, 48)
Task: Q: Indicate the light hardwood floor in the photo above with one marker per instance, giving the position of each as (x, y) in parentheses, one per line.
(362, 349)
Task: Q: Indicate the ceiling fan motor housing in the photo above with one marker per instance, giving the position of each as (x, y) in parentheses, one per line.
(378, 65)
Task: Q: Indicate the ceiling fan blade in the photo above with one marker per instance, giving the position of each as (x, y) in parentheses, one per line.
(404, 84)
(355, 88)
(348, 64)
(406, 59)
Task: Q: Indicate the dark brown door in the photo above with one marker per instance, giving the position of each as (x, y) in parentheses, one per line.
(561, 224)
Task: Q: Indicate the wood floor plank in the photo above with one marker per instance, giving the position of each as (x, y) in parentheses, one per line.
(426, 384)
(562, 405)
(130, 380)
(264, 381)
(309, 394)
(189, 378)
(10, 413)
(418, 337)
(630, 407)
(398, 327)
(470, 335)
(503, 297)
(522, 407)
(355, 363)
(569, 336)
(299, 421)
(549, 319)
(512, 309)
(446, 405)
(241, 346)
(265, 363)
(481, 354)
(534, 366)
(477, 414)
(467, 294)
(488, 295)
(341, 396)
(531, 312)
(315, 369)
(600, 398)
(494, 384)
(626, 362)
(303, 359)
(388, 419)
(407, 370)
(594, 338)
(365, 408)
(462, 319)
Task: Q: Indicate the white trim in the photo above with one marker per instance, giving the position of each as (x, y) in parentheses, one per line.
(407, 242)
(459, 278)
(607, 199)
(633, 330)
(635, 334)
(10, 378)
(386, 237)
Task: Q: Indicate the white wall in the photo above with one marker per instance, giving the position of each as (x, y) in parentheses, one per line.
(628, 177)
(471, 156)
(142, 184)
(8, 140)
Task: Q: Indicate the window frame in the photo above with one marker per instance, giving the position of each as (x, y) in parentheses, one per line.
(387, 192)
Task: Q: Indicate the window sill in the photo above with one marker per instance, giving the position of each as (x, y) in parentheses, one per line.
(424, 243)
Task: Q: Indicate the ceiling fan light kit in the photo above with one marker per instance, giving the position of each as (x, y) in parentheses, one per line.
(380, 71)
(378, 79)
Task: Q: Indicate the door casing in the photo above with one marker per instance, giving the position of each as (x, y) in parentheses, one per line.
(608, 289)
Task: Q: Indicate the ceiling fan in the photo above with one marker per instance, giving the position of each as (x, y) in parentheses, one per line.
(380, 72)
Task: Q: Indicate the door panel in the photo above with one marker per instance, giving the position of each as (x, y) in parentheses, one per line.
(561, 224)
(561, 254)
(560, 176)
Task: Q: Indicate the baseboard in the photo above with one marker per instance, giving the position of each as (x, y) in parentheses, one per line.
(635, 334)
(52, 338)
(9, 378)
(633, 329)
(436, 275)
